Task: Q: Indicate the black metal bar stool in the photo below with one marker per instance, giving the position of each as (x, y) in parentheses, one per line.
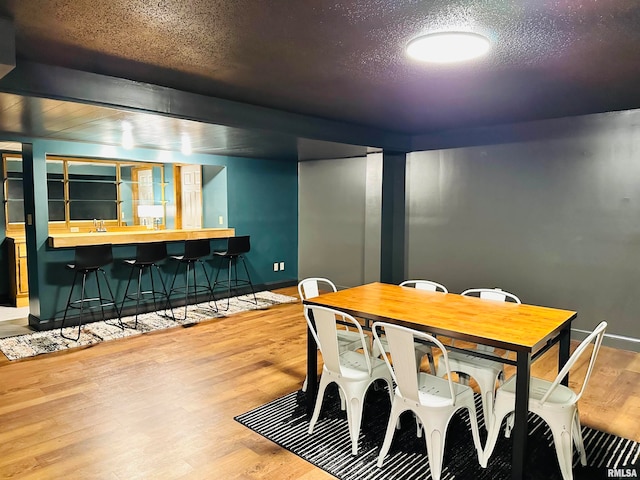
(90, 259)
(148, 255)
(236, 248)
(194, 251)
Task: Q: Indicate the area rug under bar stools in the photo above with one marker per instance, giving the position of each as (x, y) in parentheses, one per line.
(49, 341)
(284, 421)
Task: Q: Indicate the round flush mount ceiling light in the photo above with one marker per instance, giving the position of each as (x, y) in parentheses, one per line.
(448, 47)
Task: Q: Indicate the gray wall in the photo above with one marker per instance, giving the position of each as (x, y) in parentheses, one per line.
(339, 219)
(555, 221)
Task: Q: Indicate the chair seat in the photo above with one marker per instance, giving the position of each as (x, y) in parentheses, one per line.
(434, 391)
(133, 262)
(560, 396)
(85, 268)
(354, 365)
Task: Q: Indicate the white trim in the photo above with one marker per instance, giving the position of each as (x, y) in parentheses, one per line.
(610, 335)
(610, 340)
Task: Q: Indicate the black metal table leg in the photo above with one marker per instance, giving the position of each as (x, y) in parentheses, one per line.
(564, 350)
(520, 428)
(312, 370)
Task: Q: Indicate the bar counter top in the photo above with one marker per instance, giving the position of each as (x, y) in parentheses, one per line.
(64, 240)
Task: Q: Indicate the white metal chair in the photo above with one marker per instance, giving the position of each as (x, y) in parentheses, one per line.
(353, 372)
(556, 404)
(310, 288)
(425, 285)
(485, 372)
(432, 399)
(421, 349)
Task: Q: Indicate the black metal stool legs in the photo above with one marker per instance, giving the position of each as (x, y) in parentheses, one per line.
(209, 287)
(80, 304)
(113, 299)
(255, 299)
(140, 293)
(66, 309)
(164, 290)
(190, 274)
(194, 251)
(233, 282)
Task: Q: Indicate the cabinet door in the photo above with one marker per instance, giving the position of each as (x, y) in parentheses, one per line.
(21, 265)
(18, 280)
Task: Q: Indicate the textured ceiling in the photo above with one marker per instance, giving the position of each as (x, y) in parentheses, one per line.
(345, 60)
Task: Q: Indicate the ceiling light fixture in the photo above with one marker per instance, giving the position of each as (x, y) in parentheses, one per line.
(448, 47)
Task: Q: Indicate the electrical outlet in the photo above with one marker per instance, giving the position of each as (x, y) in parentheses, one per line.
(220, 220)
(275, 267)
(281, 265)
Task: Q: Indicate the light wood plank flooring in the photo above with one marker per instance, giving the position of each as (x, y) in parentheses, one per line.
(161, 405)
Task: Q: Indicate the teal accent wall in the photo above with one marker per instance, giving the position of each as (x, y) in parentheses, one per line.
(261, 201)
(4, 259)
(214, 191)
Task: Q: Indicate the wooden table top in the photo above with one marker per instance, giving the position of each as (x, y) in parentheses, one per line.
(61, 240)
(500, 324)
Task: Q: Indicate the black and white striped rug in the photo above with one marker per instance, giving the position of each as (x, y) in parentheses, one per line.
(284, 422)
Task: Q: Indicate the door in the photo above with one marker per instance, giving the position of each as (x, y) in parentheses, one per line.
(191, 196)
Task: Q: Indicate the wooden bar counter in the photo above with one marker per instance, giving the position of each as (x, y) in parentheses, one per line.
(65, 240)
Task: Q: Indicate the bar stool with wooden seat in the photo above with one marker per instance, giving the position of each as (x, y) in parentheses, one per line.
(148, 255)
(236, 248)
(90, 259)
(194, 252)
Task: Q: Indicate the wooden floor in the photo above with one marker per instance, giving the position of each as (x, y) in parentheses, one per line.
(161, 405)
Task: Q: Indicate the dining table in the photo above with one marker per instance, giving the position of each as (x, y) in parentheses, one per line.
(527, 330)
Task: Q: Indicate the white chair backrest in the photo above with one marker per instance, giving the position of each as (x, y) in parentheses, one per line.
(425, 285)
(401, 341)
(491, 294)
(310, 287)
(323, 327)
(596, 338)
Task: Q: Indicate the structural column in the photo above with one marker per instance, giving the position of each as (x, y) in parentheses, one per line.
(392, 245)
(36, 217)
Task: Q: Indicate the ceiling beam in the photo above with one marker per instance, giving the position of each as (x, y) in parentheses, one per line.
(44, 81)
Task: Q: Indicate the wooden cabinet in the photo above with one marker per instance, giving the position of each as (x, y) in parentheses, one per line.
(18, 280)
